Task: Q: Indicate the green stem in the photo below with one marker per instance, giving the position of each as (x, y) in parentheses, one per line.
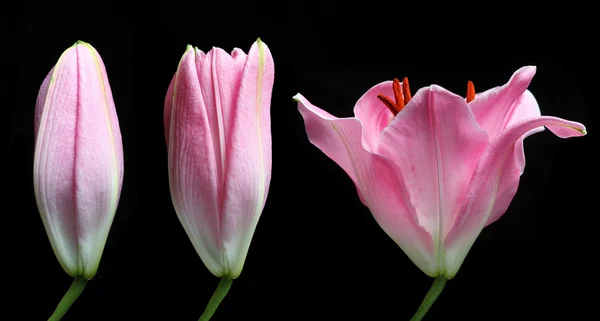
(216, 299)
(68, 299)
(434, 292)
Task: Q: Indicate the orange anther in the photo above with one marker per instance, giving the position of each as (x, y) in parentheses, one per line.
(398, 94)
(401, 96)
(406, 90)
(470, 91)
(390, 104)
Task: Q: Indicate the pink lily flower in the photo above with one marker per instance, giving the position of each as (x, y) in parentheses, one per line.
(217, 127)
(436, 168)
(78, 159)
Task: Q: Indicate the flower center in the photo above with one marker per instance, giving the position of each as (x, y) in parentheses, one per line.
(402, 95)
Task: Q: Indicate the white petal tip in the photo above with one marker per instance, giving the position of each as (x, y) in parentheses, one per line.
(529, 71)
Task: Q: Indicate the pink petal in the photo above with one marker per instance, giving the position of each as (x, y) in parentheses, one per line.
(495, 107)
(78, 161)
(54, 159)
(193, 162)
(40, 102)
(436, 143)
(99, 159)
(219, 76)
(484, 186)
(525, 107)
(327, 138)
(244, 87)
(373, 114)
(380, 188)
(168, 106)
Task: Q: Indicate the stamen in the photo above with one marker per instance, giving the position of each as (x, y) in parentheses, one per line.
(398, 94)
(470, 91)
(391, 105)
(406, 90)
(401, 96)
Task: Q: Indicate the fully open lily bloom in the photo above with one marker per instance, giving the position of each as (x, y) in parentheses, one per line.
(435, 168)
(217, 127)
(78, 160)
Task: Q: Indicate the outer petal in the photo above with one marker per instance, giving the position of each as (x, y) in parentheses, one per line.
(78, 161)
(326, 138)
(484, 186)
(40, 102)
(373, 114)
(193, 164)
(246, 103)
(54, 159)
(436, 143)
(168, 106)
(381, 189)
(525, 107)
(99, 158)
(494, 108)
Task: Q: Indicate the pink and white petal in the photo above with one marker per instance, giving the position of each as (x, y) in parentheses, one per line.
(54, 160)
(494, 107)
(388, 200)
(98, 160)
(379, 187)
(193, 163)
(322, 131)
(112, 114)
(436, 143)
(484, 187)
(525, 107)
(248, 147)
(373, 114)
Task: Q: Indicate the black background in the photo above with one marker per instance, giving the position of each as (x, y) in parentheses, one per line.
(317, 252)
